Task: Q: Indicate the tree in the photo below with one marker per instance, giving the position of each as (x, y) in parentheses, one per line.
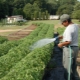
(52, 6)
(47, 14)
(43, 15)
(77, 6)
(76, 12)
(35, 15)
(28, 10)
(62, 2)
(64, 9)
(76, 15)
(18, 11)
(15, 11)
(32, 16)
(39, 15)
(3, 9)
(19, 3)
(35, 7)
(10, 6)
(17, 7)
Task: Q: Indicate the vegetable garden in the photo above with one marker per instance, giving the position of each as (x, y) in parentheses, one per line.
(18, 62)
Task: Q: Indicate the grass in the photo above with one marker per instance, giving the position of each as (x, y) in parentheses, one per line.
(6, 27)
(15, 27)
(55, 22)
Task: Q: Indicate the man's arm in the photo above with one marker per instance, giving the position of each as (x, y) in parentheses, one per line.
(64, 44)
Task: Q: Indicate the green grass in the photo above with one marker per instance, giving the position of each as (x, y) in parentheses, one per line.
(76, 21)
(55, 22)
(12, 27)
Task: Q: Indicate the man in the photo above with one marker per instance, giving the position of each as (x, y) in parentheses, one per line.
(70, 38)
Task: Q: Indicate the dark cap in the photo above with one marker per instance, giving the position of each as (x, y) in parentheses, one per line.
(64, 17)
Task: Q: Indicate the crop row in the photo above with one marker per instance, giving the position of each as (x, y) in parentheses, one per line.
(17, 53)
(31, 67)
(7, 45)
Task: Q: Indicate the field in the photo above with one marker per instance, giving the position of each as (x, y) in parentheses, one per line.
(14, 54)
(17, 60)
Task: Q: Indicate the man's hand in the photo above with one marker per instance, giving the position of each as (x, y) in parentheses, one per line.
(60, 37)
(60, 45)
(64, 44)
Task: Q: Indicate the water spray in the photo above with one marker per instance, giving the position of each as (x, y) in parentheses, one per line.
(42, 43)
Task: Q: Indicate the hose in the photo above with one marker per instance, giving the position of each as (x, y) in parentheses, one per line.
(69, 67)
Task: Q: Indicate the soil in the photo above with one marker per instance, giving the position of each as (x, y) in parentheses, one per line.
(21, 33)
(9, 30)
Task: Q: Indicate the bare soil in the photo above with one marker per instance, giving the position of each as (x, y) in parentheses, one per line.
(9, 30)
(21, 33)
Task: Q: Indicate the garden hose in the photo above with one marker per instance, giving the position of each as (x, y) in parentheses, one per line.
(69, 67)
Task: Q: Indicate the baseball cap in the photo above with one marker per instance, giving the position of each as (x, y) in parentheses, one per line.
(64, 17)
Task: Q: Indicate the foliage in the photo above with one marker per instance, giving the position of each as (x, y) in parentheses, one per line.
(28, 7)
(62, 2)
(6, 46)
(77, 6)
(23, 62)
(52, 6)
(28, 10)
(64, 9)
(76, 12)
(3, 9)
(3, 39)
(47, 15)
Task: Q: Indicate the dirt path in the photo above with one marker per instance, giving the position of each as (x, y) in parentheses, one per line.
(21, 33)
(9, 30)
(13, 30)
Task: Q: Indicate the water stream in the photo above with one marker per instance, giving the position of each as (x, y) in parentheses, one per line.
(42, 43)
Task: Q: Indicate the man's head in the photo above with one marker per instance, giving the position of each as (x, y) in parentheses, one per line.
(65, 19)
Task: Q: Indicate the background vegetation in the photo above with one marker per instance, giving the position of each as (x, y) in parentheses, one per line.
(39, 9)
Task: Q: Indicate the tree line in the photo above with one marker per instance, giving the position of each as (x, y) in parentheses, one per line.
(39, 9)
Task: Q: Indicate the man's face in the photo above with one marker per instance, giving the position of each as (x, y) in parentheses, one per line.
(65, 23)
